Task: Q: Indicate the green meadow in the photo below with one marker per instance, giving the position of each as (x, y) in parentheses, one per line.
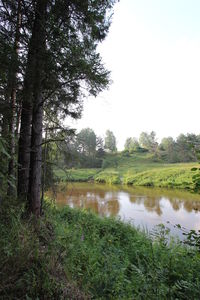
(137, 169)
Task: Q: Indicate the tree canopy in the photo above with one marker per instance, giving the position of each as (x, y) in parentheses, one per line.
(49, 62)
(110, 141)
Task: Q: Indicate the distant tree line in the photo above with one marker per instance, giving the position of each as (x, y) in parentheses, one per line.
(87, 150)
(181, 149)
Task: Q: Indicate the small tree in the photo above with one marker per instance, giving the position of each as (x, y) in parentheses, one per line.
(168, 149)
(87, 142)
(148, 141)
(110, 141)
(131, 144)
(185, 147)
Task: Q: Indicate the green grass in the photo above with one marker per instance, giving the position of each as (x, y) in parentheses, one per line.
(73, 254)
(76, 175)
(139, 169)
(31, 266)
(173, 177)
(108, 176)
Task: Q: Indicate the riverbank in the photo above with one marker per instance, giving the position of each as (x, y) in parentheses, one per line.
(136, 170)
(74, 254)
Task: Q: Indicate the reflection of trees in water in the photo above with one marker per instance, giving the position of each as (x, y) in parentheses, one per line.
(152, 204)
(176, 203)
(104, 200)
(192, 205)
(137, 199)
(113, 207)
(101, 202)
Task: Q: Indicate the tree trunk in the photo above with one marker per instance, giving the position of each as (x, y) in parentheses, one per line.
(44, 171)
(25, 129)
(31, 101)
(13, 85)
(37, 120)
(36, 159)
(24, 147)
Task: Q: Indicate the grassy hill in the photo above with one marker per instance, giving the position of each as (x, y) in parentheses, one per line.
(138, 169)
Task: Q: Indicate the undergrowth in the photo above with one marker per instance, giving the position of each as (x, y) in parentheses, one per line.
(31, 267)
(74, 254)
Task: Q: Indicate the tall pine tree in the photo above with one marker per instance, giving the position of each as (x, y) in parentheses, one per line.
(62, 64)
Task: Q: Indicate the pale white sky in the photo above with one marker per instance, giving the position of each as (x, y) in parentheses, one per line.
(153, 52)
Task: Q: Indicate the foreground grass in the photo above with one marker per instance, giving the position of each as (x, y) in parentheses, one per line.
(139, 169)
(73, 254)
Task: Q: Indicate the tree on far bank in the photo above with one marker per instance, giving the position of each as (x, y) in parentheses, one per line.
(87, 141)
(148, 141)
(185, 147)
(110, 141)
(168, 149)
(131, 144)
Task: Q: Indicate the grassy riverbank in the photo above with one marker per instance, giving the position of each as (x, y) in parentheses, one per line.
(73, 254)
(139, 169)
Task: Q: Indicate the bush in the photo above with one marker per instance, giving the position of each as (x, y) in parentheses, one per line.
(109, 178)
(125, 153)
(141, 150)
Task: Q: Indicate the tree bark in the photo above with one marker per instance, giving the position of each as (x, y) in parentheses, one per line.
(13, 88)
(37, 119)
(31, 99)
(24, 147)
(36, 159)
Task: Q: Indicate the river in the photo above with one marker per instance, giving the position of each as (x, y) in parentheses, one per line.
(143, 207)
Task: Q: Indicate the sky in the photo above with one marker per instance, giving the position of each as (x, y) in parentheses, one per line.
(153, 53)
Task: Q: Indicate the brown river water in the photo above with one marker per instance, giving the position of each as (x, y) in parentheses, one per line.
(143, 207)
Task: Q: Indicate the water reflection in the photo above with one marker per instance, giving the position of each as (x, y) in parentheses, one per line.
(102, 202)
(146, 207)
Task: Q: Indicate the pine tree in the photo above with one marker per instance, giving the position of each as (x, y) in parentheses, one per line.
(62, 63)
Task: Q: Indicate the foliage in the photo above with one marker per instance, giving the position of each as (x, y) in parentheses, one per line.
(192, 239)
(168, 150)
(181, 149)
(57, 66)
(82, 150)
(110, 141)
(196, 176)
(110, 161)
(30, 264)
(196, 179)
(86, 142)
(129, 165)
(131, 144)
(110, 177)
(111, 260)
(73, 175)
(172, 177)
(148, 141)
(73, 254)
(139, 169)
